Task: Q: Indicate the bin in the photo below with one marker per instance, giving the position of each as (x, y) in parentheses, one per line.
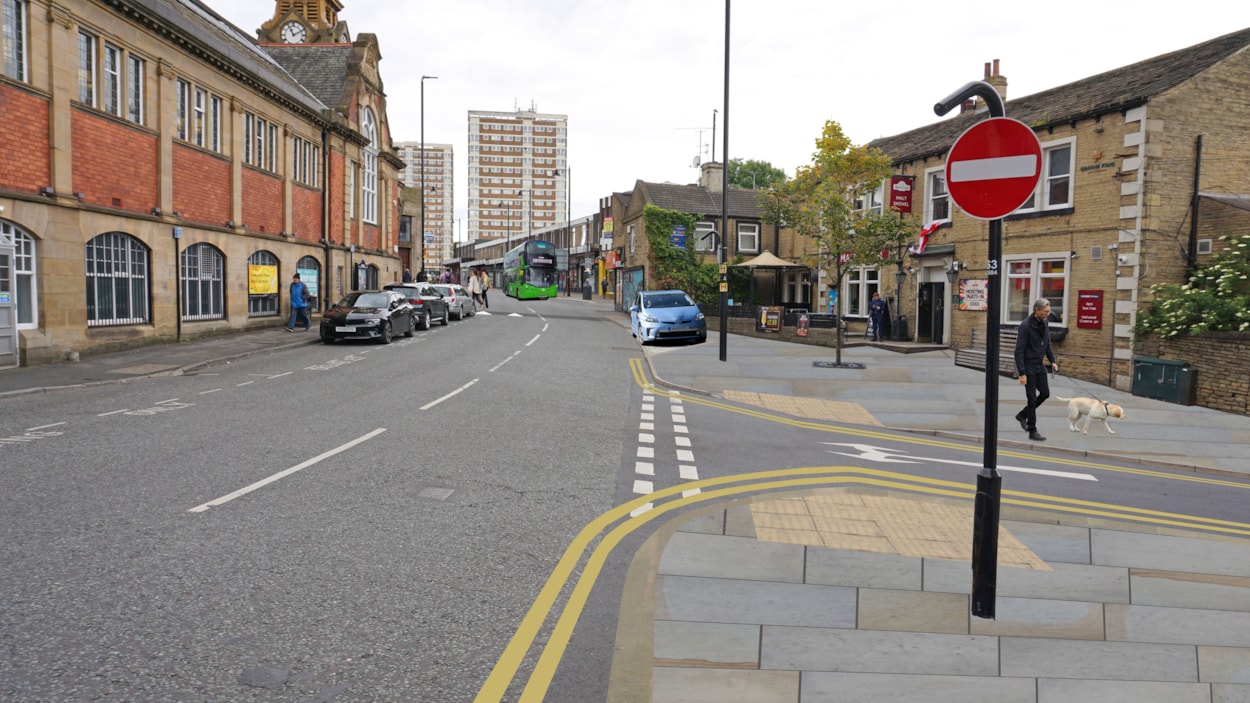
(1165, 379)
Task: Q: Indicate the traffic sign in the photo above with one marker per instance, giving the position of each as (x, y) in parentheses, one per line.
(993, 167)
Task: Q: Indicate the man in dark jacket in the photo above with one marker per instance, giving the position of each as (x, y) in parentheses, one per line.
(1032, 352)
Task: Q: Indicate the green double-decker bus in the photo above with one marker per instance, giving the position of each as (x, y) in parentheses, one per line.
(529, 271)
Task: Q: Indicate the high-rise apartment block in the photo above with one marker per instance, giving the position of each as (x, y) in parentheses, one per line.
(439, 197)
(518, 173)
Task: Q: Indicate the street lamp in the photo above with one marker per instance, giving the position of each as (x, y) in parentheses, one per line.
(568, 222)
(897, 331)
(423, 79)
(529, 219)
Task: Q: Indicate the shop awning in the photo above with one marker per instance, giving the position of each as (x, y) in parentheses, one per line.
(768, 261)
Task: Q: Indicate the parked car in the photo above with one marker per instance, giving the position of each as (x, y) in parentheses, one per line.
(427, 303)
(460, 302)
(368, 314)
(666, 314)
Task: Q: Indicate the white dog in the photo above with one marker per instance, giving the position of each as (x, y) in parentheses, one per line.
(1091, 410)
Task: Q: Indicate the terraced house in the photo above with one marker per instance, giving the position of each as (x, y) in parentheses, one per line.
(1144, 168)
(165, 173)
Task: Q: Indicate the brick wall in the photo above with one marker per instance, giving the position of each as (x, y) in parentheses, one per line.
(24, 141)
(1219, 358)
(306, 213)
(262, 201)
(201, 186)
(114, 164)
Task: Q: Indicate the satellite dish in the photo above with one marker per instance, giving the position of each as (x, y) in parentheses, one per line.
(695, 163)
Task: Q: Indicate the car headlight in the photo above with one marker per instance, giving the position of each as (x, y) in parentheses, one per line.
(699, 316)
(372, 321)
(649, 319)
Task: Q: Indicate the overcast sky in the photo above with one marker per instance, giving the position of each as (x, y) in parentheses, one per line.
(638, 79)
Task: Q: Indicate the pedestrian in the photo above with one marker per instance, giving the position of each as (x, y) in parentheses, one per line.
(485, 287)
(603, 286)
(475, 288)
(1032, 352)
(876, 314)
(422, 276)
(446, 276)
(407, 276)
(299, 305)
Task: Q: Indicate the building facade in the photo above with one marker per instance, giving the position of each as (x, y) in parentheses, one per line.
(440, 200)
(518, 173)
(166, 175)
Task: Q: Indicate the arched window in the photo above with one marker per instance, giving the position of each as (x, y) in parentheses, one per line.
(203, 283)
(262, 285)
(309, 270)
(117, 280)
(25, 294)
(369, 174)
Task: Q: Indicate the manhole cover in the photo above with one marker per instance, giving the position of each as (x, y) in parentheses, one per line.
(836, 365)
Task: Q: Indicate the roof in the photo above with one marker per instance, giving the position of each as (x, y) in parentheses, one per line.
(1112, 91)
(1241, 202)
(320, 69)
(697, 200)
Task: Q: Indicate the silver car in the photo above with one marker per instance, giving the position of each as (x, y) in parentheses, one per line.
(459, 301)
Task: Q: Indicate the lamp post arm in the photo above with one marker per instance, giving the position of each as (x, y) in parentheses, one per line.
(979, 89)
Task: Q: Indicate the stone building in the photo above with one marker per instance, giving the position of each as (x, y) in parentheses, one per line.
(1129, 157)
(165, 174)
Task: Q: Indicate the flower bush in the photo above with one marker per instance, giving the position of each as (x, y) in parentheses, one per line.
(1216, 298)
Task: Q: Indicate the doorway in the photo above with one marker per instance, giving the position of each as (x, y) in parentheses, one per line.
(931, 313)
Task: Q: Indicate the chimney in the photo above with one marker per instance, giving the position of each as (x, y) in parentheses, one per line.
(969, 105)
(710, 176)
(995, 79)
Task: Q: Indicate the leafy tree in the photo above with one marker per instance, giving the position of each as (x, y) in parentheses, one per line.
(819, 205)
(758, 175)
(1216, 298)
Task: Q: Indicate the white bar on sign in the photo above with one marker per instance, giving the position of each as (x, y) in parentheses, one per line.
(1021, 166)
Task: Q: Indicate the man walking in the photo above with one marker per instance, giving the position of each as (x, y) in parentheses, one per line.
(299, 305)
(1032, 352)
(876, 313)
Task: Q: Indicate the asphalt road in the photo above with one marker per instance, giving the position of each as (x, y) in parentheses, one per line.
(359, 522)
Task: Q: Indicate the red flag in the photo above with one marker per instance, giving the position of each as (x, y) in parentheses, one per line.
(885, 253)
(924, 236)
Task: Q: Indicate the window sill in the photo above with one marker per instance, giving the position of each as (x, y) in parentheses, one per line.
(1040, 213)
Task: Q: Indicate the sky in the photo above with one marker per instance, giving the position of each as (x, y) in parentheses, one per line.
(642, 81)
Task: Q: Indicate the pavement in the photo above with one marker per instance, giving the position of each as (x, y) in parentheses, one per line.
(856, 587)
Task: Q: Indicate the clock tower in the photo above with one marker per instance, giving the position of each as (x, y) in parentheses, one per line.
(305, 22)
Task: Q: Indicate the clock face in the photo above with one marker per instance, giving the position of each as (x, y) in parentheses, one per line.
(293, 33)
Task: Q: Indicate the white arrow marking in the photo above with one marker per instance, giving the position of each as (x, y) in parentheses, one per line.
(1023, 166)
(885, 456)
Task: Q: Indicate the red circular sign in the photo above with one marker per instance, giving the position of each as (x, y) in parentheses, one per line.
(993, 167)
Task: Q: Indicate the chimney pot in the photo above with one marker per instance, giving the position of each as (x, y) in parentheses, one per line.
(987, 69)
(996, 67)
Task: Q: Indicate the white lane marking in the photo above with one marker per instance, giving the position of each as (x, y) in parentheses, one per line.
(510, 358)
(245, 383)
(544, 329)
(648, 399)
(207, 392)
(646, 452)
(515, 314)
(691, 492)
(115, 412)
(643, 487)
(646, 438)
(162, 402)
(648, 407)
(682, 441)
(288, 373)
(285, 472)
(640, 509)
(461, 389)
(644, 467)
(535, 339)
(685, 455)
(886, 456)
(647, 416)
(688, 473)
(1020, 166)
(679, 418)
(680, 429)
(44, 427)
(646, 426)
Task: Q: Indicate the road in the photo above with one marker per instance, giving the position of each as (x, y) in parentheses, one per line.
(432, 520)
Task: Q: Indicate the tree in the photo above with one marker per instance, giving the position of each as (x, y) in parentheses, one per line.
(757, 175)
(1216, 298)
(819, 205)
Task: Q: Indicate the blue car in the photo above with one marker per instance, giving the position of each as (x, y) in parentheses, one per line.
(666, 314)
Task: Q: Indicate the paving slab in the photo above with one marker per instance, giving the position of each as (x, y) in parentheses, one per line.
(691, 554)
(753, 602)
(1144, 623)
(1080, 691)
(1126, 661)
(866, 651)
(825, 687)
(706, 645)
(1176, 588)
(1170, 553)
(838, 567)
(1080, 582)
(1054, 543)
(913, 611)
(1230, 693)
(1038, 617)
(1224, 664)
(673, 685)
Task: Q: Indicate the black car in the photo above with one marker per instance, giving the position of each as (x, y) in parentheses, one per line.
(368, 314)
(427, 303)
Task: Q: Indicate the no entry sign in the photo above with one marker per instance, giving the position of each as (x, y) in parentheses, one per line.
(993, 167)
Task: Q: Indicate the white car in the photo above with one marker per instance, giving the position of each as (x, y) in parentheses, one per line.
(460, 302)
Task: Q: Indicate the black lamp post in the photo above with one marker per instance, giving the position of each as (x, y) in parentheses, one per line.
(898, 330)
(423, 79)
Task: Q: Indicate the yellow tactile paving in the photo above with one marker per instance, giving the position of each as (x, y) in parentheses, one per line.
(812, 408)
(891, 523)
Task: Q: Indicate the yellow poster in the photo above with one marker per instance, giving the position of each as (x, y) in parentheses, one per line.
(262, 280)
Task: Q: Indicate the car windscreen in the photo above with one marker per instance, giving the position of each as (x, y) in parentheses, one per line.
(445, 290)
(372, 300)
(667, 301)
(406, 291)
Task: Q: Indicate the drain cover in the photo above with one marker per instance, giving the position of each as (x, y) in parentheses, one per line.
(836, 365)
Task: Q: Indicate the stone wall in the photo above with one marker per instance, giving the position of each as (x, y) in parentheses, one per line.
(1220, 361)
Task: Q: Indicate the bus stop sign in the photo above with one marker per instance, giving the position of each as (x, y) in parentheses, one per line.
(993, 167)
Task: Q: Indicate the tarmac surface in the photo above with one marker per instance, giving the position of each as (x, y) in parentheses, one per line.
(861, 592)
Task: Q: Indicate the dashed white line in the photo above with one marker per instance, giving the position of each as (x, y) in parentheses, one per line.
(680, 429)
(207, 392)
(162, 402)
(647, 416)
(510, 358)
(688, 473)
(646, 452)
(245, 383)
(44, 427)
(682, 441)
(685, 455)
(646, 425)
(648, 407)
(288, 373)
(461, 389)
(644, 467)
(643, 487)
(115, 412)
(646, 438)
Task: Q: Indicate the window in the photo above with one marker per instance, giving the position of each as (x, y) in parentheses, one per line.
(13, 39)
(937, 203)
(1055, 185)
(117, 280)
(870, 203)
(25, 294)
(271, 156)
(369, 176)
(184, 107)
(247, 137)
(203, 290)
(704, 236)
(351, 190)
(858, 286)
(214, 124)
(86, 68)
(1033, 277)
(112, 87)
(134, 89)
(197, 123)
(748, 236)
(632, 236)
(262, 287)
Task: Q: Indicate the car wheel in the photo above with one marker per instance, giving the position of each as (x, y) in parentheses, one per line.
(425, 320)
(412, 326)
(326, 339)
(460, 313)
(446, 316)
(387, 333)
